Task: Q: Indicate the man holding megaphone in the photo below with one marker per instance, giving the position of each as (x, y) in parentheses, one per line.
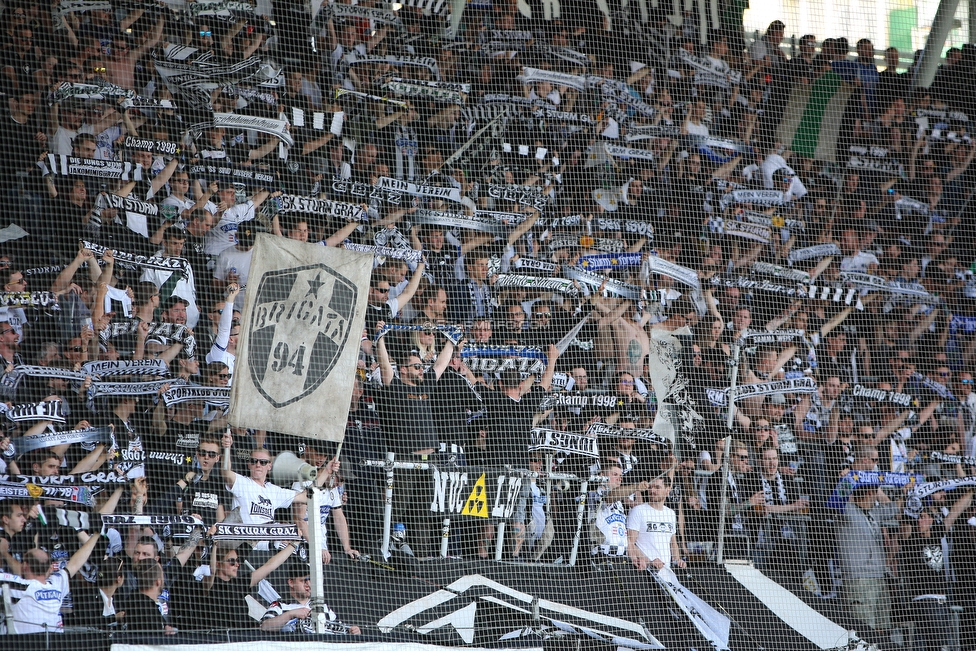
(257, 499)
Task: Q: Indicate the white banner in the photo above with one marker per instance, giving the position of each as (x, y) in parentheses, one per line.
(303, 316)
(709, 622)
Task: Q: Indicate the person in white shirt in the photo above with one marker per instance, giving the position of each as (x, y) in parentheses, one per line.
(652, 530)
(229, 214)
(255, 497)
(38, 609)
(180, 198)
(185, 288)
(608, 516)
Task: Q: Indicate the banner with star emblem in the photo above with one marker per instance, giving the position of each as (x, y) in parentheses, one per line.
(304, 311)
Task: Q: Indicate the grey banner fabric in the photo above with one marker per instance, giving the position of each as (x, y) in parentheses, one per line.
(304, 311)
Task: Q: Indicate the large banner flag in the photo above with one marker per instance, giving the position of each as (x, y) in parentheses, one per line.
(304, 311)
(712, 624)
(812, 120)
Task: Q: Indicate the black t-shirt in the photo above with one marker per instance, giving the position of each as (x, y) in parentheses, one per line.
(19, 544)
(202, 496)
(233, 608)
(923, 564)
(509, 422)
(452, 402)
(407, 417)
(141, 613)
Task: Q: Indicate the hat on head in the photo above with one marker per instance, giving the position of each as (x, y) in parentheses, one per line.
(777, 399)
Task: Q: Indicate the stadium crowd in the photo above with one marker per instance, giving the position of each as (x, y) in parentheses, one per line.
(604, 199)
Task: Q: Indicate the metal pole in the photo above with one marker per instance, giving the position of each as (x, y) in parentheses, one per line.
(932, 54)
(8, 609)
(736, 350)
(972, 22)
(315, 559)
(580, 513)
(457, 10)
(445, 535)
(500, 541)
(388, 506)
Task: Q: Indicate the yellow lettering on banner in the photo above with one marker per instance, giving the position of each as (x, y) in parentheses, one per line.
(477, 503)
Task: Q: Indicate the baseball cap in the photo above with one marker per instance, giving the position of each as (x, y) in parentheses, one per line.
(777, 399)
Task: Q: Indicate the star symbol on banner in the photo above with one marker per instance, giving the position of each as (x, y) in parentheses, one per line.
(314, 285)
(188, 458)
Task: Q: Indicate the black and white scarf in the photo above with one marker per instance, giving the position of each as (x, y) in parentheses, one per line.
(99, 389)
(778, 271)
(561, 285)
(219, 396)
(52, 410)
(62, 165)
(814, 252)
(123, 258)
(164, 147)
(767, 489)
(29, 299)
(535, 75)
(408, 255)
(48, 439)
(419, 190)
(457, 220)
(348, 211)
(273, 531)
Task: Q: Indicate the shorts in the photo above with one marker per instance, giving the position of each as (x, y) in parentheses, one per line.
(870, 601)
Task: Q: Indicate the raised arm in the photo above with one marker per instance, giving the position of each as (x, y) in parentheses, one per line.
(80, 557)
(443, 358)
(273, 563)
(411, 287)
(383, 357)
(226, 467)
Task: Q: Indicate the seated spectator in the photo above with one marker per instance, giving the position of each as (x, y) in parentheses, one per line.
(294, 615)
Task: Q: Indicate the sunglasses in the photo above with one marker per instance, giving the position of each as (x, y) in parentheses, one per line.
(966, 381)
(543, 315)
(742, 457)
(76, 349)
(416, 367)
(206, 33)
(260, 462)
(232, 561)
(3, 332)
(208, 454)
(223, 376)
(381, 290)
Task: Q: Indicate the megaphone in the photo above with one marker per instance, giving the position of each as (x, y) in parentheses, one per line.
(288, 469)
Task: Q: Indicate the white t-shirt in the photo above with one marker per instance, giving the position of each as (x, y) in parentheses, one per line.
(187, 203)
(611, 521)
(61, 142)
(331, 499)
(224, 233)
(39, 608)
(259, 503)
(655, 529)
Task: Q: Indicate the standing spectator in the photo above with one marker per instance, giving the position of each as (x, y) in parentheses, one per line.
(652, 530)
(923, 568)
(861, 550)
(38, 609)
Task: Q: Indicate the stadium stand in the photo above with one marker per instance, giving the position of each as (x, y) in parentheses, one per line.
(668, 340)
